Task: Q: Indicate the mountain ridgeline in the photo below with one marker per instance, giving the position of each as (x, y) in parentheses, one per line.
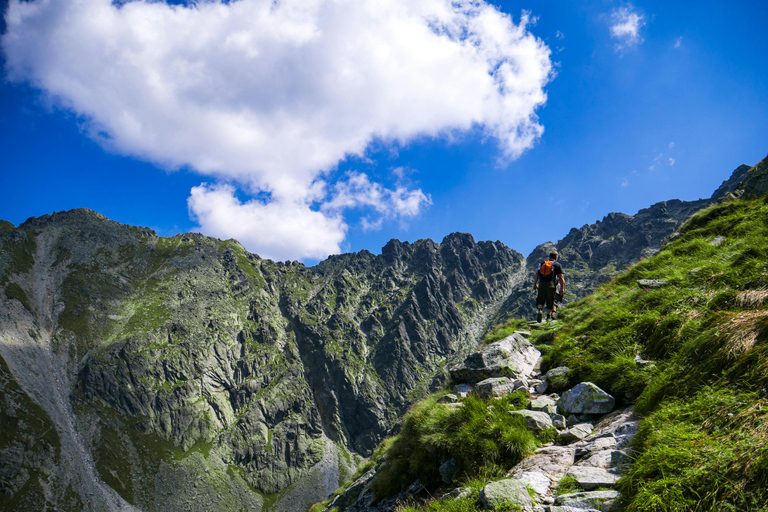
(140, 372)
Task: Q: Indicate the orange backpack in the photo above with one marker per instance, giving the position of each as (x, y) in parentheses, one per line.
(546, 268)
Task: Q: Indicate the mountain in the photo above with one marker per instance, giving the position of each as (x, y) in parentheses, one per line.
(140, 372)
(161, 368)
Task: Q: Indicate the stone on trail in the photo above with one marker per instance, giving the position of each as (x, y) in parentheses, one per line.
(586, 398)
(552, 460)
(512, 357)
(535, 420)
(575, 433)
(507, 491)
(593, 499)
(537, 480)
(495, 387)
(591, 478)
(570, 509)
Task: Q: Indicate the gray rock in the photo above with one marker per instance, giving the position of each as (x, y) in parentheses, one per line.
(535, 420)
(601, 459)
(650, 284)
(571, 509)
(512, 357)
(556, 373)
(591, 477)
(537, 480)
(450, 398)
(462, 390)
(509, 490)
(586, 398)
(521, 383)
(458, 493)
(620, 460)
(447, 470)
(541, 387)
(593, 499)
(575, 433)
(558, 420)
(551, 460)
(494, 387)
(544, 404)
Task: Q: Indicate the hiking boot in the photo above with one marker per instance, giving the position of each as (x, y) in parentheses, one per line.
(539, 317)
(549, 318)
(554, 315)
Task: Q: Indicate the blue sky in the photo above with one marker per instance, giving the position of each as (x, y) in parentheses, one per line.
(638, 102)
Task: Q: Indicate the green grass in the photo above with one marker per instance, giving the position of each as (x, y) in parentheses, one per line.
(502, 331)
(704, 441)
(481, 435)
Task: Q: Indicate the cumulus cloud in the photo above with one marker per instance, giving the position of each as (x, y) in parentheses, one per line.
(267, 97)
(625, 27)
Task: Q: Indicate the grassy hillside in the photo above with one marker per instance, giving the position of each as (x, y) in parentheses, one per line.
(682, 335)
(704, 442)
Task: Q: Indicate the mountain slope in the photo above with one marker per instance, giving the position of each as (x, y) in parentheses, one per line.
(160, 350)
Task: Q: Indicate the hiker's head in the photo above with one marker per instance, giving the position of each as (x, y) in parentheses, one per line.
(553, 255)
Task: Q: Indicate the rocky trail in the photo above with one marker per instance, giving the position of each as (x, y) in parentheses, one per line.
(47, 374)
(591, 452)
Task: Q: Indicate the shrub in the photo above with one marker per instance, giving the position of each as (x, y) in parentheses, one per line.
(481, 435)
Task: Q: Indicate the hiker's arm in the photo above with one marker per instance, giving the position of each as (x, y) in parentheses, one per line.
(535, 280)
(561, 277)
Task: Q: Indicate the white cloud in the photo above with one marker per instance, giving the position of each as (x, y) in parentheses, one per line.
(270, 96)
(671, 161)
(625, 182)
(559, 35)
(625, 27)
(671, 145)
(281, 229)
(678, 42)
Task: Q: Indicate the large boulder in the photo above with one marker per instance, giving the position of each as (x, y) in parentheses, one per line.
(585, 398)
(508, 491)
(512, 357)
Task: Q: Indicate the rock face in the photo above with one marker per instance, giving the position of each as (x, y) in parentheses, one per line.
(169, 348)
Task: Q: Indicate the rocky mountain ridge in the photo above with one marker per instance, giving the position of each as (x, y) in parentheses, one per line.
(189, 356)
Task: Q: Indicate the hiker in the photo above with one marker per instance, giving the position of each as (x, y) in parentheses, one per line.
(550, 272)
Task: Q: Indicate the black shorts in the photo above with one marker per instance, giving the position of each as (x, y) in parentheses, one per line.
(546, 296)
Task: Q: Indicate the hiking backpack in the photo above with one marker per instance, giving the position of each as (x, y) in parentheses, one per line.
(547, 272)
